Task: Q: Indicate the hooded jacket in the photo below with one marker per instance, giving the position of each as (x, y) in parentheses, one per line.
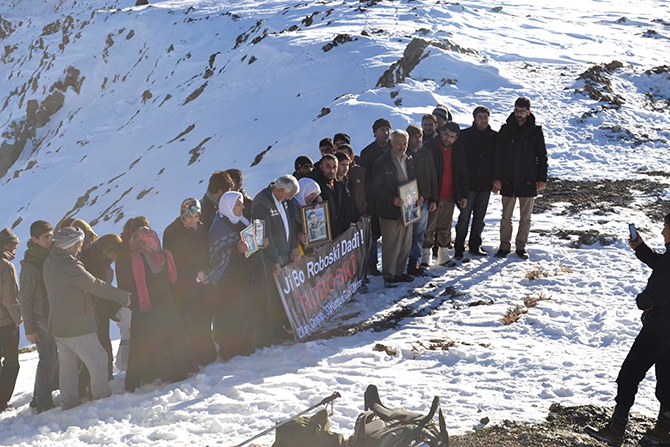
(521, 158)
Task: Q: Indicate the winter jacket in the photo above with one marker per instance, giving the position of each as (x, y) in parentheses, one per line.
(654, 300)
(459, 169)
(370, 154)
(264, 208)
(385, 184)
(426, 175)
(101, 269)
(10, 309)
(332, 196)
(357, 175)
(68, 287)
(480, 146)
(521, 158)
(32, 294)
(208, 209)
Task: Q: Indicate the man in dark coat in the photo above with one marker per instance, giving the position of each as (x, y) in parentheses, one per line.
(452, 186)
(369, 155)
(427, 182)
(519, 172)
(479, 142)
(651, 347)
(428, 127)
(391, 170)
(219, 183)
(35, 312)
(270, 205)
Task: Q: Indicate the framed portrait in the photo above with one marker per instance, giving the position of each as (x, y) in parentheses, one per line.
(259, 231)
(249, 237)
(316, 223)
(409, 193)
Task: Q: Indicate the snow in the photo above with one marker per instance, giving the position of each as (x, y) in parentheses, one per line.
(133, 141)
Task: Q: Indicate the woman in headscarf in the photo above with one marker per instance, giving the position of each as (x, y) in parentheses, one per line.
(237, 306)
(159, 346)
(308, 193)
(186, 238)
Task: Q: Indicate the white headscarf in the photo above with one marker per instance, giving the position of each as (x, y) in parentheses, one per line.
(307, 187)
(226, 204)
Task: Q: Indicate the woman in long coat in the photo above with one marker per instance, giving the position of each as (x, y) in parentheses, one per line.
(159, 346)
(186, 238)
(236, 317)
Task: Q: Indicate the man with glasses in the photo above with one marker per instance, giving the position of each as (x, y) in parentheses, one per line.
(519, 172)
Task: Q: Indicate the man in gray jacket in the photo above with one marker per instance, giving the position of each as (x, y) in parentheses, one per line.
(71, 317)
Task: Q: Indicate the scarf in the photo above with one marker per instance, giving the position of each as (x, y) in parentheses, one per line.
(37, 251)
(219, 253)
(145, 243)
(226, 205)
(307, 187)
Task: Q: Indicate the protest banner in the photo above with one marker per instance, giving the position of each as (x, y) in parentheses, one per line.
(316, 287)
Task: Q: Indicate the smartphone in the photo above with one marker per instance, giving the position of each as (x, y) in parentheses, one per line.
(633, 231)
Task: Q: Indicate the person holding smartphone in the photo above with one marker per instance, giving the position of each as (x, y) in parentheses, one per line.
(650, 348)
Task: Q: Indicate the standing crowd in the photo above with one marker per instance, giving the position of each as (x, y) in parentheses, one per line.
(193, 295)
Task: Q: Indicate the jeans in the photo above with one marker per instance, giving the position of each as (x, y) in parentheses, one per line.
(478, 202)
(46, 379)
(9, 370)
(649, 349)
(418, 230)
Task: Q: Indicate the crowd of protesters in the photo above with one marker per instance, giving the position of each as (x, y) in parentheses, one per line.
(195, 295)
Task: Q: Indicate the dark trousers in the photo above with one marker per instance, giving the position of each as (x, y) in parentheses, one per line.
(46, 378)
(478, 203)
(648, 350)
(9, 352)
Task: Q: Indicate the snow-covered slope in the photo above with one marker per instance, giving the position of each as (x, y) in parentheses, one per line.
(108, 111)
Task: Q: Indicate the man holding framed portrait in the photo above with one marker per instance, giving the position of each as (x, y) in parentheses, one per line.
(393, 180)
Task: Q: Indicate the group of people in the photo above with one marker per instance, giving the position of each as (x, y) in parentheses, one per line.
(184, 295)
(452, 169)
(177, 299)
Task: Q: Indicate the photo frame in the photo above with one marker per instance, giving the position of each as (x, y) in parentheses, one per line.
(259, 231)
(316, 223)
(248, 235)
(409, 193)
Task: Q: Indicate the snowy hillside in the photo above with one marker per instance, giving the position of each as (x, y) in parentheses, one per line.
(108, 111)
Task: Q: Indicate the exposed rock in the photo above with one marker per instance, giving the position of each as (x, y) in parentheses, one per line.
(598, 85)
(415, 52)
(338, 40)
(259, 157)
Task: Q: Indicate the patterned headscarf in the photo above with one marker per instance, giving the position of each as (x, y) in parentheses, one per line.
(190, 206)
(227, 203)
(146, 241)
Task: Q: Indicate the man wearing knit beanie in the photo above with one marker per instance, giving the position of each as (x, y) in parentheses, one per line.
(71, 322)
(10, 317)
(381, 129)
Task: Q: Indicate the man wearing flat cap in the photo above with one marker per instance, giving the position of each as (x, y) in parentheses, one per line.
(10, 317)
(71, 317)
